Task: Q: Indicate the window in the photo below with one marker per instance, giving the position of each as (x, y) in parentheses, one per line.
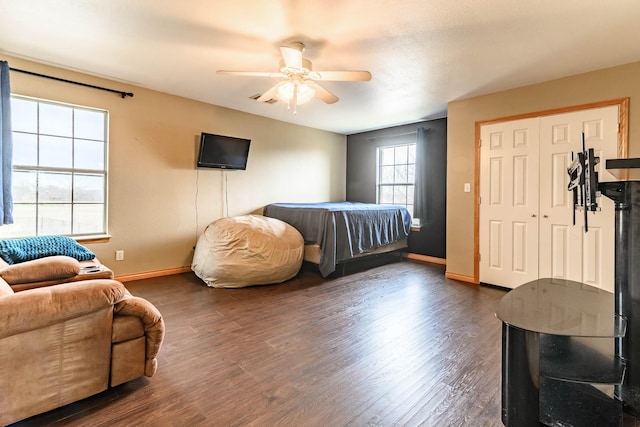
(396, 175)
(59, 177)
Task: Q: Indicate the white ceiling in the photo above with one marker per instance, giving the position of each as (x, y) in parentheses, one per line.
(421, 53)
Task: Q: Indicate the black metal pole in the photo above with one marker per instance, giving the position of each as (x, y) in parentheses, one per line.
(31, 73)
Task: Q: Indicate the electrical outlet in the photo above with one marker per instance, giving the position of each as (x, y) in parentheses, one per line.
(119, 255)
(467, 187)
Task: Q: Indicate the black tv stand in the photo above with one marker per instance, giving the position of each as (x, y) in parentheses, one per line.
(558, 355)
(571, 351)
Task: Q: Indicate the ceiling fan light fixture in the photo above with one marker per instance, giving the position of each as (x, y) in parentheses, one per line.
(295, 92)
(305, 93)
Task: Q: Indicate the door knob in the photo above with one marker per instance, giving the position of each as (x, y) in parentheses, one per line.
(533, 215)
(545, 216)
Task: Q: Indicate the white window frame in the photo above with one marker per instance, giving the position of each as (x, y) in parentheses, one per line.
(396, 142)
(6, 232)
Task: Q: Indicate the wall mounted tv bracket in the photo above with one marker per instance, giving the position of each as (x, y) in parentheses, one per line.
(583, 182)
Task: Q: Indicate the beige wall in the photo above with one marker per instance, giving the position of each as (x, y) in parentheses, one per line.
(158, 201)
(601, 85)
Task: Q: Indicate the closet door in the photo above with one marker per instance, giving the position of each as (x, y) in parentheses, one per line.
(526, 211)
(509, 202)
(566, 251)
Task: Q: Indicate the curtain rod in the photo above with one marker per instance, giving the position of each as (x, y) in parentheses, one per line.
(31, 73)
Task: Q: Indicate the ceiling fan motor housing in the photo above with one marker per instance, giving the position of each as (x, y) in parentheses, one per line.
(289, 70)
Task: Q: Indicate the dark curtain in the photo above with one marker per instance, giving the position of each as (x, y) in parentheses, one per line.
(6, 145)
(421, 187)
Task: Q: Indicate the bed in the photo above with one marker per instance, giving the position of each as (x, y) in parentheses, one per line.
(336, 232)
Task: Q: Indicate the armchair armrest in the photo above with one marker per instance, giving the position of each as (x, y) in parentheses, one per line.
(58, 267)
(37, 308)
(152, 322)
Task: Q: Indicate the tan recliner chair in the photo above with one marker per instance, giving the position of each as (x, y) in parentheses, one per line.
(62, 343)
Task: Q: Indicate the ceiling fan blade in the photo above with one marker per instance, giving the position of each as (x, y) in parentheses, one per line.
(271, 93)
(250, 73)
(322, 93)
(345, 76)
(292, 57)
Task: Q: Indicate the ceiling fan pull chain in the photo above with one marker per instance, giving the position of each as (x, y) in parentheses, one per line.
(294, 99)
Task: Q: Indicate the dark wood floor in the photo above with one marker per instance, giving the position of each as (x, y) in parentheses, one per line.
(393, 345)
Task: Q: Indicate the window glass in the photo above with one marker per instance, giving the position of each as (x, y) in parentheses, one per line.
(400, 174)
(25, 149)
(55, 151)
(396, 175)
(400, 194)
(386, 195)
(387, 157)
(411, 154)
(400, 155)
(24, 186)
(24, 115)
(410, 192)
(59, 178)
(87, 218)
(89, 124)
(88, 154)
(88, 188)
(55, 120)
(54, 219)
(54, 187)
(387, 174)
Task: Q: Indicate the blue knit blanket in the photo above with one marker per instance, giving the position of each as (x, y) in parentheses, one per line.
(14, 251)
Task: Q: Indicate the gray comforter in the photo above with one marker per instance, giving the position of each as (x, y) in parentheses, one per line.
(343, 229)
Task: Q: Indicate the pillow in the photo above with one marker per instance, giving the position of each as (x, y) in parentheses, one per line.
(19, 250)
(39, 270)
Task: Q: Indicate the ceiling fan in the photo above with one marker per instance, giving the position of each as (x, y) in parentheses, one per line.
(298, 79)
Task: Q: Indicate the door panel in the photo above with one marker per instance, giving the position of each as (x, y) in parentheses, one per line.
(589, 257)
(509, 208)
(591, 272)
(520, 239)
(495, 245)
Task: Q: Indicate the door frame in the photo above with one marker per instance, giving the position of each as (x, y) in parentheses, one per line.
(623, 153)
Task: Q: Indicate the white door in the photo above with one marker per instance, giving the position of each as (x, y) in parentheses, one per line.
(526, 212)
(509, 202)
(566, 251)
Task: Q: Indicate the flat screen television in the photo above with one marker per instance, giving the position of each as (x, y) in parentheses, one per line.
(223, 152)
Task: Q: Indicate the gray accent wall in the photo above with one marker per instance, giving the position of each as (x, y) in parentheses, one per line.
(361, 179)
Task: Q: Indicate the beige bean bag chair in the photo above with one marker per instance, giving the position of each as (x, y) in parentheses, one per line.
(247, 250)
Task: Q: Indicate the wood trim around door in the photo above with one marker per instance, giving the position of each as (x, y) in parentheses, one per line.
(623, 153)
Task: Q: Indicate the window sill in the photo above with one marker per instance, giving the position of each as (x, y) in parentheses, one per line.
(99, 238)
